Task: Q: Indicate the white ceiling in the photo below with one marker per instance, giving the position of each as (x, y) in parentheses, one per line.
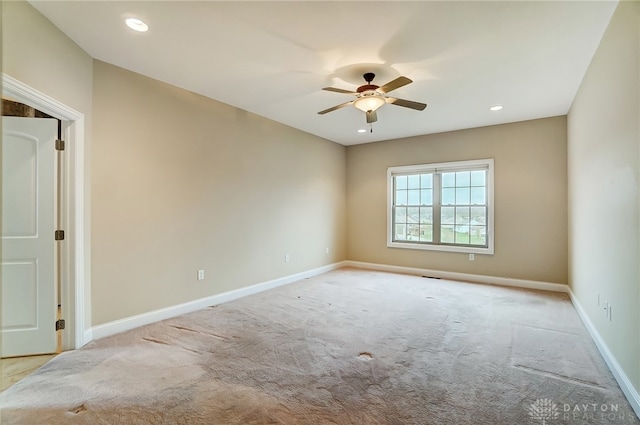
(273, 58)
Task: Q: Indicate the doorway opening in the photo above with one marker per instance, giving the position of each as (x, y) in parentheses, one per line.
(74, 272)
(30, 253)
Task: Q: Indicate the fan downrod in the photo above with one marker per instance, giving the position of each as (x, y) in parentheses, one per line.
(368, 77)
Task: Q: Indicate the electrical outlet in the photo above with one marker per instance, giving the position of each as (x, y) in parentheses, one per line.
(286, 258)
(472, 257)
(326, 250)
(200, 274)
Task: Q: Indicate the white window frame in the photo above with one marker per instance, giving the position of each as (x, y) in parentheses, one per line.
(438, 168)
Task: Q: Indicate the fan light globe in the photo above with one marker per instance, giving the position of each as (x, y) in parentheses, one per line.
(369, 103)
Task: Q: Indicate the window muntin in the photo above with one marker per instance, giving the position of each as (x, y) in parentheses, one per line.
(445, 206)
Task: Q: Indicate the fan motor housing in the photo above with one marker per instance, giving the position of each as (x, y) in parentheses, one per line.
(367, 87)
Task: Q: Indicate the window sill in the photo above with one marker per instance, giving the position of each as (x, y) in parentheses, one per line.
(442, 248)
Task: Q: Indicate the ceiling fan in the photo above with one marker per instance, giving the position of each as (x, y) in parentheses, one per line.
(370, 97)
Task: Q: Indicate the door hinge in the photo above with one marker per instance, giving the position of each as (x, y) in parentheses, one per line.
(59, 235)
(59, 324)
(60, 145)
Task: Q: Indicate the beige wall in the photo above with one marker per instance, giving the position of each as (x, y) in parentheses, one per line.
(38, 54)
(182, 182)
(530, 199)
(604, 206)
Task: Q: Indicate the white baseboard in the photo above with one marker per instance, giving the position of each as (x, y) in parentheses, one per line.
(121, 325)
(466, 277)
(87, 337)
(623, 380)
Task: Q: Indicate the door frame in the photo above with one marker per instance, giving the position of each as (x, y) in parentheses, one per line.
(74, 252)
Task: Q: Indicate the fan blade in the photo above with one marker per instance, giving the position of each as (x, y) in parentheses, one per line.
(371, 117)
(395, 84)
(342, 105)
(339, 90)
(407, 103)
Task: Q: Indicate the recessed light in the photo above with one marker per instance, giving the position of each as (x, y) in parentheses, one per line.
(362, 130)
(137, 24)
(495, 108)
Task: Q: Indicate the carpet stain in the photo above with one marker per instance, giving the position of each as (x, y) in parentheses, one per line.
(182, 328)
(222, 337)
(191, 351)
(78, 409)
(156, 341)
(365, 356)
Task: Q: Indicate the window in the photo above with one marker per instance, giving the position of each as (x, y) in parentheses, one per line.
(444, 207)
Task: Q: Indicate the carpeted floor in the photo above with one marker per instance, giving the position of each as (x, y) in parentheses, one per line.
(346, 347)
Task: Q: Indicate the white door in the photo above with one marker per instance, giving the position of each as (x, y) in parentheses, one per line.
(28, 243)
